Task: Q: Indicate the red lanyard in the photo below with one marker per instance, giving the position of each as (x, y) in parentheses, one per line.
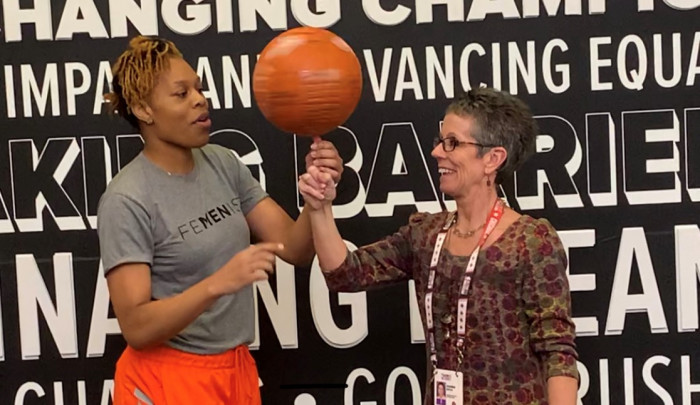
(494, 217)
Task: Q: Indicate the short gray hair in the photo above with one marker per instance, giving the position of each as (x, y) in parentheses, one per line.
(501, 119)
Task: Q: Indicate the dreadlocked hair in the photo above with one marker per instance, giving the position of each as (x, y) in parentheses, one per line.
(135, 71)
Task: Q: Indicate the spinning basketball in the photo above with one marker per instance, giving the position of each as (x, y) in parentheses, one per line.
(307, 81)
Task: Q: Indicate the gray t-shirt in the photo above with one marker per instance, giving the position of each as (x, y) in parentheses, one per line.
(185, 227)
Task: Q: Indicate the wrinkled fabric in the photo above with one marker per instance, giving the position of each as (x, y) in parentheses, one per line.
(519, 326)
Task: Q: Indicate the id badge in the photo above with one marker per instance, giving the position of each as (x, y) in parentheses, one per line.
(447, 387)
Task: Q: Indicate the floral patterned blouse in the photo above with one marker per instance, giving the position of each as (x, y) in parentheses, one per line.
(519, 326)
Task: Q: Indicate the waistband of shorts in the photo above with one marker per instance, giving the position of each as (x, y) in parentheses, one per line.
(230, 358)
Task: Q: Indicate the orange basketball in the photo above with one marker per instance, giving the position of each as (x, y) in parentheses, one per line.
(307, 81)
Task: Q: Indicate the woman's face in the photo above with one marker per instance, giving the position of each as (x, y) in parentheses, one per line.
(462, 167)
(178, 109)
(441, 390)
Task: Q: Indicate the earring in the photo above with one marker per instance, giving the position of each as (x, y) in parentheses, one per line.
(488, 182)
(149, 122)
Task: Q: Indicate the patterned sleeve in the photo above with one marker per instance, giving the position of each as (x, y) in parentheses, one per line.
(548, 303)
(386, 261)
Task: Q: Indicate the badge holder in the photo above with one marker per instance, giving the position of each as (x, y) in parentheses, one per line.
(447, 387)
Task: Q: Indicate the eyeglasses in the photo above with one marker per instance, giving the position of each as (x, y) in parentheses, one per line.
(449, 143)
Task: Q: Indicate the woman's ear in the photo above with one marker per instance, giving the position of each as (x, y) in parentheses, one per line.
(494, 159)
(143, 112)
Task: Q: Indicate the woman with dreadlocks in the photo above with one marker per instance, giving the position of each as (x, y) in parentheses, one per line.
(174, 227)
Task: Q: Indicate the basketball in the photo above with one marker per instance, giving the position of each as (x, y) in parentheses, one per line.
(307, 81)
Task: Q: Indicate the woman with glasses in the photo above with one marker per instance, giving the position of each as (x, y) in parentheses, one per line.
(491, 283)
(175, 228)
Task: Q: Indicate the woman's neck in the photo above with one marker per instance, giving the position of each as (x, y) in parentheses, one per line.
(473, 209)
(171, 158)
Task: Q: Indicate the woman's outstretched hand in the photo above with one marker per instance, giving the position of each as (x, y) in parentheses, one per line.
(317, 187)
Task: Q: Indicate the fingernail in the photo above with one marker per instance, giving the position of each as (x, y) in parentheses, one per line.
(281, 246)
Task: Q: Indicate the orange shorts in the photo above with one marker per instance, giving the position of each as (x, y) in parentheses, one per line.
(166, 376)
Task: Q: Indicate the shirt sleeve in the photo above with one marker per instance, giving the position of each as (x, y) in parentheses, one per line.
(548, 304)
(124, 232)
(386, 261)
(248, 187)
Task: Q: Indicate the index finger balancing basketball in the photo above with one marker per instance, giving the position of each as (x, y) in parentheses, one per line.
(307, 81)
